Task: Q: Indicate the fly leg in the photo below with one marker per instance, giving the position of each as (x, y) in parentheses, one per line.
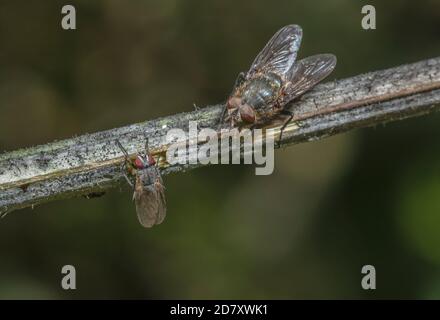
(124, 164)
(220, 122)
(280, 103)
(231, 117)
(238, 82)
(240, 79)
(124, 172)
(289, 119)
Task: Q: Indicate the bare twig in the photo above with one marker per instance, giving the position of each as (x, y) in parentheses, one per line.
(90, 164)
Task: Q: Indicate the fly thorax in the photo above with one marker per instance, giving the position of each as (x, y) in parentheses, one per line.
(262, 90)
(147, 176)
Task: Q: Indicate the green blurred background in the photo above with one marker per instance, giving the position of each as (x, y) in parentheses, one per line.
(371, 196)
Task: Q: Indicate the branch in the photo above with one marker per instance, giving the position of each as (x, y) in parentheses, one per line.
(90, 164)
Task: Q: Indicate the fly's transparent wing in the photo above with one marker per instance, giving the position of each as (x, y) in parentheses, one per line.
(150, 201)
(306, 73)
(162, 207)
(280, 52)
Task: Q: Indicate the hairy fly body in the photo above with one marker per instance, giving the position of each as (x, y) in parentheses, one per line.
(274, 79)
(149, 192)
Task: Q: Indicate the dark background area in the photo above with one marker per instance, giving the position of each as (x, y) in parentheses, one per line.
(371, 196)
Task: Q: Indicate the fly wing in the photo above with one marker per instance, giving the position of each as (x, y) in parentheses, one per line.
(150, 202)
(280, 52)
(306, 73)
(162, 207)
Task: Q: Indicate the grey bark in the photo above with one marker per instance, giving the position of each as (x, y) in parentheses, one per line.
(90, 163)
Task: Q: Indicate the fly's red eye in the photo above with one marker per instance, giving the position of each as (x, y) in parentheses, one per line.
(233, 103)
(247, 113)
(138, 163)
(151, 161)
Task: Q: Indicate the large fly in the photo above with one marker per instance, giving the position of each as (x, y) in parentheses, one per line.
(275, 79)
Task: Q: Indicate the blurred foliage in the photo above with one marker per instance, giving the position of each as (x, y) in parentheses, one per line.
(367, 197)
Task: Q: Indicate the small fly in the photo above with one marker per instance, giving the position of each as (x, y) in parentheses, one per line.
(274, 80)
(149, 191)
